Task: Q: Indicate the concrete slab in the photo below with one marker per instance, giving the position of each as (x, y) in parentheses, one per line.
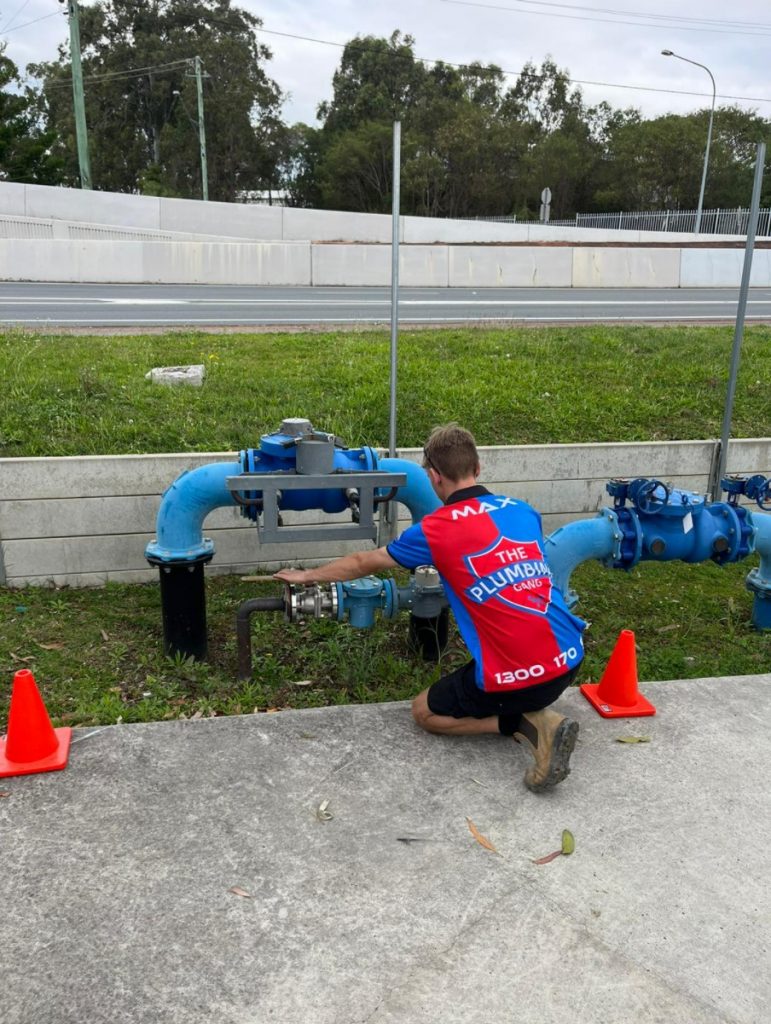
(116, 872)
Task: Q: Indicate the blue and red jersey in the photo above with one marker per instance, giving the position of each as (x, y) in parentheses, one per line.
(489, 551)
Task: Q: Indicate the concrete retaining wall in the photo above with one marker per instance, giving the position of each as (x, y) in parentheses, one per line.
(305, 263)
(277, 223)
(264, 263)
(85, 521)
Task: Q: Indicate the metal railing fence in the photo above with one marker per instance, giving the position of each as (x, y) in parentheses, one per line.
(713, 222)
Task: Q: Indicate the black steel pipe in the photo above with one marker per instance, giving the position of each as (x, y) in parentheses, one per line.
(429, 636)
(244, 630)
(183, 608)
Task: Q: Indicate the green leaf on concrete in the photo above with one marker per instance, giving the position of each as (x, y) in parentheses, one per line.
(568, 842)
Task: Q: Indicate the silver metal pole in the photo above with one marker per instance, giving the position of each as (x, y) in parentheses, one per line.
(752, 228)
(394, 283)
(706, 152)
(671, 53)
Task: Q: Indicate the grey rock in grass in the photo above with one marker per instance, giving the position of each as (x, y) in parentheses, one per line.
(173, 375)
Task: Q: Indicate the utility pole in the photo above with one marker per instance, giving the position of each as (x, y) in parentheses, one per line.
(77, 92)
(201, 129)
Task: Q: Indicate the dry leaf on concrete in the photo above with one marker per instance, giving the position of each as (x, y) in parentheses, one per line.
(633, 739)
(548, 858)
(4, 794)
(238, 891)
(482, 840)
(322, 813)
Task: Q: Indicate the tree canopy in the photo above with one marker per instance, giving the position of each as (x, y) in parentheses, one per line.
(141, 100)
(475, 141)
(24, 147)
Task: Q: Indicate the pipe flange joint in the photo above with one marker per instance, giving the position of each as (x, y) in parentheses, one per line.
(390, 599)
(746, 533)
(156, 554)
(627, 549)
(758, 585)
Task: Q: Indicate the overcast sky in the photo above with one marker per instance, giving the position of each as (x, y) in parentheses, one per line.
(612, 42)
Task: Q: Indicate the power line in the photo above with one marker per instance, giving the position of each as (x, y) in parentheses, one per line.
(18, 28)
(16, 15)
(641, 14)
(522, 74)
(606, 21)
(127, 74)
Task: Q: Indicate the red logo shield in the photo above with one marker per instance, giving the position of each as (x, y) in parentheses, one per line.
(511, 571)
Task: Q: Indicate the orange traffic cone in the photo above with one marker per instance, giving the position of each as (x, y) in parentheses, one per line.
(616, 695)
(32, 744)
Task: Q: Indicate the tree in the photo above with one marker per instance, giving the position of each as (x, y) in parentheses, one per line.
(141, 103)
(657, 164)
(24, 148)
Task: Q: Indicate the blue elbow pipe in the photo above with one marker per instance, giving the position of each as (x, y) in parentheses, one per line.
(759, 580)
(578, 542)
(417, 494)
(184, 506)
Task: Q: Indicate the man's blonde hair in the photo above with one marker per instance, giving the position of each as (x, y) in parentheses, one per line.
(452, 451)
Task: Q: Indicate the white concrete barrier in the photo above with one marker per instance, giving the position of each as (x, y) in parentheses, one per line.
(626, 268)
(257, 263)
(479, 266)
(136, 258)
(225, 219)
(419, 265)
(333, 226)
(85, 521)
(276, 223)
(720, 268)
(428, 230)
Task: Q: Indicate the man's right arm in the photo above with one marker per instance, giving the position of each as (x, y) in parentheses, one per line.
(349, 567)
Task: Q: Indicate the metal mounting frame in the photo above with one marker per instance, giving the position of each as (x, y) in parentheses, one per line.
(270, 485)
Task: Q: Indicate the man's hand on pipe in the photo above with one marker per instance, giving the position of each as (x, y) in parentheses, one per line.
(293, 576)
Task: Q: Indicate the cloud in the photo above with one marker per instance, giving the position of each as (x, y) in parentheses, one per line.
(593, 51)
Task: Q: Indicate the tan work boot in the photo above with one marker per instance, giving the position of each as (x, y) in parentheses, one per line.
(551, 738)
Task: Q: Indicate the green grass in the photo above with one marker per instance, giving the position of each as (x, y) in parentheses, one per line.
(66, 395)
(97, 654)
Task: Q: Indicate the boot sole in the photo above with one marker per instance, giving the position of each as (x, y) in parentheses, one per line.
(559, 766)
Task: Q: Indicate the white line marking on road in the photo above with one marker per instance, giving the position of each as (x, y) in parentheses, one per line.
(368, 320)
(385, 303)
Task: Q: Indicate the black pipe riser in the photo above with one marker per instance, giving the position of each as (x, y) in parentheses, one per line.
(183, 608)
(428, 636)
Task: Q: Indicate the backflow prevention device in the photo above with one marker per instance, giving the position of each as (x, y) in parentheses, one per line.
(295, 469)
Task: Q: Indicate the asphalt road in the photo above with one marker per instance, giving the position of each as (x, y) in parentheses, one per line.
(146, 305)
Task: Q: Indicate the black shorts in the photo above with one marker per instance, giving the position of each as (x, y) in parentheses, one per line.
(458, 696)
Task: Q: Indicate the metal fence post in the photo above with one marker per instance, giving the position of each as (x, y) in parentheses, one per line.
(740, 315)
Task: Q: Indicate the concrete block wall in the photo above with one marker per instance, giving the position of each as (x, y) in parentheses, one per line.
(85, 521)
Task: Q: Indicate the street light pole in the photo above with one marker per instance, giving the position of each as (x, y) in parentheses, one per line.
(81, 131)
(670, 53)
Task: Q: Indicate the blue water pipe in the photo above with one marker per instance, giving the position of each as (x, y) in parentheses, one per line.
(195, 493)
(663, 524)
(417, 494)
